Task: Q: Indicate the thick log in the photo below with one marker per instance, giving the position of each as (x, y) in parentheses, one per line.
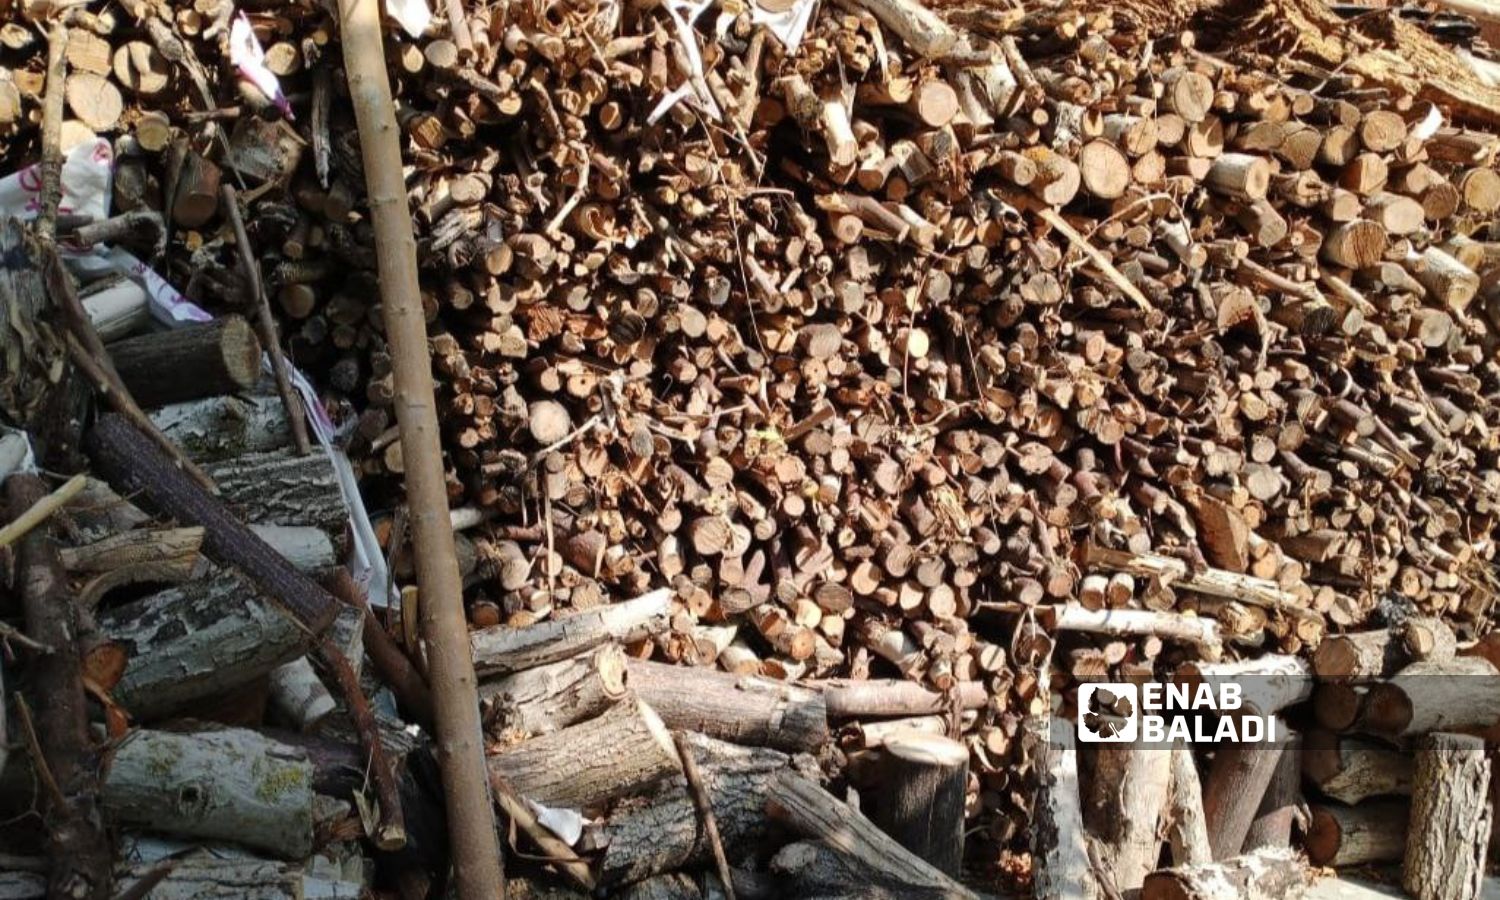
(77, 844)
(282, 488)
(1232, 791)
(197, 640)
(1187, 832)
(921, 28)
(222, 357)
(1450, 819)
(1272, 826)
(1268, 684)
(1350, 770)
(739, 709)
(1371, 832)
(1058, 841)
(1202, 633)
(1359, 657)
(230, 785)
(1263, 875)
(554, 696)
(1436, 695)
(224, 427)
(500, 649)
(857, 699)
(921, 804)
(618, 753)
(1126, 801)
(662, 833)
(814, 813)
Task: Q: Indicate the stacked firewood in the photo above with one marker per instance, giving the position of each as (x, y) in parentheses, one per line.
(890, 385)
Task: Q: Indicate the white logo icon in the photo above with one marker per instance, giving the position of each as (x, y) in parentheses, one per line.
(1108, 713)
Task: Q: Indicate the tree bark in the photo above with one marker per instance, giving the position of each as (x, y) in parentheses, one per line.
(620, 752)
(501, 649)
(1371, 832)
(221, 357)
(554, 696)
(1272, 826)
(1126, 801)
(282, 488)
(1058, 842)
(742, 710)
(1236, 781)
(1270, 874)
(1450, 819)
(814, 813)
(1350, 770)
(921, 804)
(230, 785)
(1187, 832)
(78, 847)
(226, 426)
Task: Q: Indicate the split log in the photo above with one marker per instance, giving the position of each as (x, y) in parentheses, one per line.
(230, 785)
(1351, 770)
(1126, 801)
(814, 813)
(500, 649)
(1187, 832)
(1061, 865)
(624, 750)
(282, 488)
(1371, 832)
(858, 699)
(1458, 693)
(1272, 826)
(661, 833)
(739, 709)
(1269, 874)
(196, 640)
(1236, 781)
(553, 696)
(1268, 684)
(225, 427)
(77, 844)
(1450, 819)
(921, 804)
(222, 357)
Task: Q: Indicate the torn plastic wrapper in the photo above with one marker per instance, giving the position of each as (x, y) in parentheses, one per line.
(87, 179)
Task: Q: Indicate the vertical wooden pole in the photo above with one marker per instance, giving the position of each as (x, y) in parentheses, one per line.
(471, 819)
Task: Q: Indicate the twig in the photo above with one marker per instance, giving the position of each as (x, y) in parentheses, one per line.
(52, 119)
(9, 634)
(38, 513)
(38, 759)
(394, 667)
(705, 810)
(1051, 217)
(559, 854)
(390, 834)
(265, 323)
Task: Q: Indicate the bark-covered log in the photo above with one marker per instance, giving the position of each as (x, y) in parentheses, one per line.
(1268, 684)
(856, 699)
(814, 871)
(1271, 874)
(1124, 805)
(1452, 694)
(1371, 832)
(222, 357)
(1350, 770)
(229, 785)
(196, 640)
(1058, 841)
(209, 877)
(814, 813)
(1450, 819)
(739, 709)
(1187, 832)
(622, 751)
(1362, 656)
(1272, 826)
(226, 426)
(556, 695)
(661, 832)
(503, 649)
(921, 801)
(1232, 791)
(282, 488)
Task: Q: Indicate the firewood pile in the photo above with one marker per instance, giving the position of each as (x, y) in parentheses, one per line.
(826, 393)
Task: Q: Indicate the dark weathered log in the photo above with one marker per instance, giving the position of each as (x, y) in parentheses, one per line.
(77, 845)
(1269, 874)
(921, 802)
(660, 832)
(1374, 831)
(226, 426)
(814, 813)
(620, 752)
(222, 357)
(229, 785)
(1450, 819)
(504, 649)
(282, 488)
(1058, 841)
(742, 710)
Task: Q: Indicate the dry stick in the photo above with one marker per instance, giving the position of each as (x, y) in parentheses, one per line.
(132, 464)
(267, 325)
(52, 119)
(148, 881)
(705, 810)
(395, 668)
(1114, 275)
(477, 861)
(559, 854)
(39, 512)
